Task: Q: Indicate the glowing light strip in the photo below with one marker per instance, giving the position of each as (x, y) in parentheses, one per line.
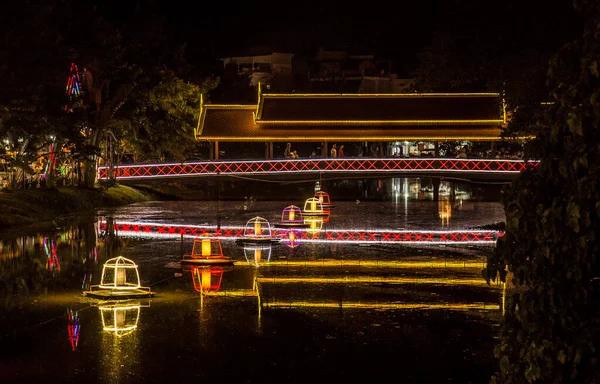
(282, 166)
(359, 305)
(380, 95)
(233, 293)
(381, 264)
(379, 122)
(374, 280)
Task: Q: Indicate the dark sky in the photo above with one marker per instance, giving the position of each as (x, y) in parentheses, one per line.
(395, 30)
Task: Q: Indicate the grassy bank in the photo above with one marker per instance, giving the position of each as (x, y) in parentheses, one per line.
(22, 208)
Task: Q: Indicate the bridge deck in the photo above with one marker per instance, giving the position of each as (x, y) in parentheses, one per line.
(502, 169)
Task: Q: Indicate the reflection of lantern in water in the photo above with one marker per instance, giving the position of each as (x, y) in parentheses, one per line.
(120, 319)
(257, 254)
(257, 228)
(73, 319)
(444, 211)
(120, 279)
(315, 225)
(207, 279)
(292, 238)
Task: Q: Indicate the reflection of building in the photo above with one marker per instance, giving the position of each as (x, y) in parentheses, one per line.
(444, 210)
(369, 284)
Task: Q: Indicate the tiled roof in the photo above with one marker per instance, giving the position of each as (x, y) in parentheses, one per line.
(395, 109)
(236, 123)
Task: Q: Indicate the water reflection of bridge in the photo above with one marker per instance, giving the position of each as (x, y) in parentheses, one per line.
(354, 285)
(470, 169)
(162, 230)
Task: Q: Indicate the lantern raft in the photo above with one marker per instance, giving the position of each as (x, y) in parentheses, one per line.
(313, 207)
(324, 199)
(291, 217)
(207, 251)
(257, 230)
(120, 280)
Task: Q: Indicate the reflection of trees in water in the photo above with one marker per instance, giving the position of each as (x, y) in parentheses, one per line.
(56, 261)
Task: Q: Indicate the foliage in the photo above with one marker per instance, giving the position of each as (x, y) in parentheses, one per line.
(550, 331)
(161, 121)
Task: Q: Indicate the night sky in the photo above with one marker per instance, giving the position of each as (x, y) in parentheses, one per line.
(391, 30)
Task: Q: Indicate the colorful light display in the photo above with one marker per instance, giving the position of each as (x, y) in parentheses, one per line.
(73, 88)
(207, 251)
(120, 280)
(363, 165)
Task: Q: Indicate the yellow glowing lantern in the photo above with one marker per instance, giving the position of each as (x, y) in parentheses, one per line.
(119, 280)
(313, 205)
(207, 251)
(257, 228)
(292, 215)
(206, 247)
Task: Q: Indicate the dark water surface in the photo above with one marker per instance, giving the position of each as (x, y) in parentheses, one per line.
(317, 312)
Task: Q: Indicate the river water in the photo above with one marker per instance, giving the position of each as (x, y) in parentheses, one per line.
(361, 298)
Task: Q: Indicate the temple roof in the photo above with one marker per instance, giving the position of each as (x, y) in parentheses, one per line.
(376, 109)
(355, 117)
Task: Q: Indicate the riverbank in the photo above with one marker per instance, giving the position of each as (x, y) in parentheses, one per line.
(20, 209)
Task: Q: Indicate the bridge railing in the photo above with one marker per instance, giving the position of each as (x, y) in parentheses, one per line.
(236, 167)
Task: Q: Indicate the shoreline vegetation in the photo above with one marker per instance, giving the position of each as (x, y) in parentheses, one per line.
(21, 209)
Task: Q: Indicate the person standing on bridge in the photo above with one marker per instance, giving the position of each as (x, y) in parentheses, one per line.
(341, 151)
(333, 152)
(288, 151)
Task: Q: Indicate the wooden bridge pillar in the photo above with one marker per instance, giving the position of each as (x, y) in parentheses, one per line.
(436, 146)
(269, 150)
(324, 152)
(216, 150)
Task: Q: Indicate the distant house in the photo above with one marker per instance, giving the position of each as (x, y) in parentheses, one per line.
(274, 71)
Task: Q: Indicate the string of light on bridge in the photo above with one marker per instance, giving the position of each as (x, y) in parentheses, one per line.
(363, 165)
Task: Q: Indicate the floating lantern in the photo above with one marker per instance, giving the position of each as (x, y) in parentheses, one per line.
(207, 279)
(257, 254)
(120, 320)
(313, 207)
(257, 230)
(207, 251)
(291, 216)
(120, 280)
(323, 197)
